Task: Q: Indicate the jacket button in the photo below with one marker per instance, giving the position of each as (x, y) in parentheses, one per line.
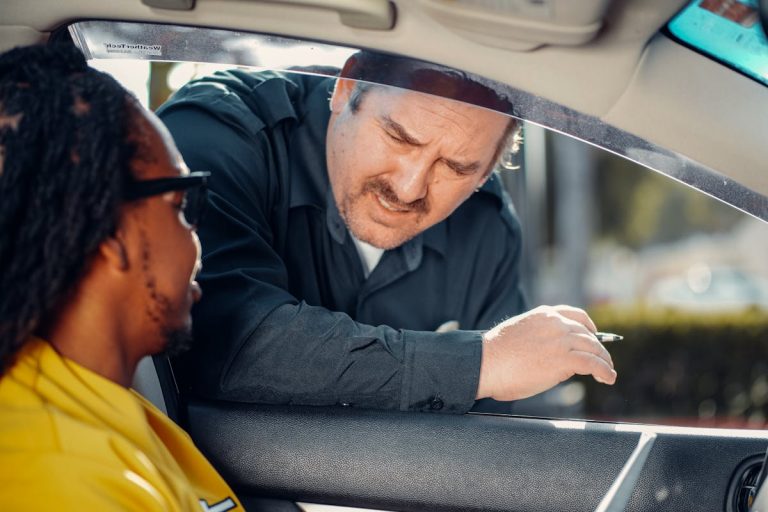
(436, 404)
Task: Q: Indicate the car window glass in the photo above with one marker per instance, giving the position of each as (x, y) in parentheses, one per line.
(614, 224)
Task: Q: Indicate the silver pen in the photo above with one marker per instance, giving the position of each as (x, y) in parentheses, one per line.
(607, 337)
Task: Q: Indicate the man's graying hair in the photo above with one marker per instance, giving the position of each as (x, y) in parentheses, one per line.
(374, 69)
(64, 156)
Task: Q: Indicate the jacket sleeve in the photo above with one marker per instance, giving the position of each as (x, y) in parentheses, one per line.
(255, 342)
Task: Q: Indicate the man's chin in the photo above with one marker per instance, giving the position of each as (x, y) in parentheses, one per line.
(364, 223)
(177, 341)
(381, 237)
(382, 241)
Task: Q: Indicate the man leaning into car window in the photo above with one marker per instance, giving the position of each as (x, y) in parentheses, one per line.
(98, 268)
(358, 246)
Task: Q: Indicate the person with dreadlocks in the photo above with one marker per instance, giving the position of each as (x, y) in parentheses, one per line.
(97, 264)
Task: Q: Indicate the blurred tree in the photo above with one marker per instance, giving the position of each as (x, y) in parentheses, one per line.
(641, 207)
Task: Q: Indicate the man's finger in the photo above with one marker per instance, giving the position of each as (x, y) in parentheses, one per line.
(588, 343)
(586, 363)
(577, 315)
(575, 327)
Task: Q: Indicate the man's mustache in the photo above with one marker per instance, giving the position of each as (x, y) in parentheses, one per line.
(384, 189)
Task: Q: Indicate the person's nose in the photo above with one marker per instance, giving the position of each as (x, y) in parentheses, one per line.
(410, 180)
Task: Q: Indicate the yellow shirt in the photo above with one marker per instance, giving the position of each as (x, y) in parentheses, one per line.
(73, 440)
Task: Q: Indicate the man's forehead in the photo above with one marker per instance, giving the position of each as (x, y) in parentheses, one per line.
(416, 112)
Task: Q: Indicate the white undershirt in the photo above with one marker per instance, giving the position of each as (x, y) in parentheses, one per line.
(369, 255)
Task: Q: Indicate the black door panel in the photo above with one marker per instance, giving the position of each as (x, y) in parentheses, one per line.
(407, 461)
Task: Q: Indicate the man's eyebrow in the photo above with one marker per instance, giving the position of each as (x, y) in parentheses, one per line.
(401, 132)
(462, 168)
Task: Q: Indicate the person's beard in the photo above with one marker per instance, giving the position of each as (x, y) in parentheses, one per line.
(177, 341)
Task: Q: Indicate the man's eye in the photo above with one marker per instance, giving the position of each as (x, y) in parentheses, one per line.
(396, 138)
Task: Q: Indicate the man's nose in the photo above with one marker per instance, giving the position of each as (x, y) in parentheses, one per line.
(410, 180)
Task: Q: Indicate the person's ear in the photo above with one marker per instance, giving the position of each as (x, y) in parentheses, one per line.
(114, 251)
(341, 94)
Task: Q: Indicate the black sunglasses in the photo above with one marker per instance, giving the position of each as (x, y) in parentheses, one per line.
(196, 199)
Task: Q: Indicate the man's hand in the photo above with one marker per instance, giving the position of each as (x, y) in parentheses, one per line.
(537, 350)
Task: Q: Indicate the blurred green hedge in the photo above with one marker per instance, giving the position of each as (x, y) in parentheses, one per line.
(684, 368)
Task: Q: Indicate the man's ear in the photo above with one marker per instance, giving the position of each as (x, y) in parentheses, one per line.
(114, 252)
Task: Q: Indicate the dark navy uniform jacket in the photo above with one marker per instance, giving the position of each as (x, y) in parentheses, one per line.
(287, 315)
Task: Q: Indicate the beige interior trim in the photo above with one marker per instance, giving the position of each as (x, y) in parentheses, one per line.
(16, 35)
(365, 14)
(700, 108)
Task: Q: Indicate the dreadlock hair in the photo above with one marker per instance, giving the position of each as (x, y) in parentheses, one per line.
(64, 157)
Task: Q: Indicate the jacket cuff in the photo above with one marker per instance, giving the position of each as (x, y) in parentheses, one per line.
(442, 371)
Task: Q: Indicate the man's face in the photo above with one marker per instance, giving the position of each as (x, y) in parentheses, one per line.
(404, 160)
(165, 247)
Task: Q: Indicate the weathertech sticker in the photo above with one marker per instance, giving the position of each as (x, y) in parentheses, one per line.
(155, 50)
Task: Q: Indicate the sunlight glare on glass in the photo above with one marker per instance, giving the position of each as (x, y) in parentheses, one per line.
(183, 72)
(132, 74)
